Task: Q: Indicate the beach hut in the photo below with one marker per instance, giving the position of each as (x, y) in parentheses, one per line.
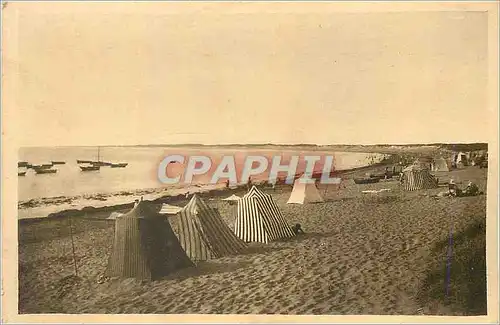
(145, 247)
(462, 158)
(417, 178)
(259, 219)
(169, 209)
(304, 193)
(440, 165)
(203, 234)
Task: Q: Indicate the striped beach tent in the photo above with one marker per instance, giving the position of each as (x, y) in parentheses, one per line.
(203, 234)
(418, 178)
(145, 247)
(259, 218)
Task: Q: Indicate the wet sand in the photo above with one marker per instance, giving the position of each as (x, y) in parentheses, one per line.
(361, 254)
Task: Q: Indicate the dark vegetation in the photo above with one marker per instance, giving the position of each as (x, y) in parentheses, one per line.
(467, 279)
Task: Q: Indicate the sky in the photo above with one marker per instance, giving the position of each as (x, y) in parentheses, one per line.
(152, 73)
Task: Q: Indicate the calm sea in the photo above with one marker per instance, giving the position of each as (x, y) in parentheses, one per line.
(141, 172)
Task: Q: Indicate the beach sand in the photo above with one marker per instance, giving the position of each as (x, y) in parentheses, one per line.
(361, 254)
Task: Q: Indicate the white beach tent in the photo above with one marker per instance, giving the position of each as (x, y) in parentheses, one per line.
(232, 198)
(463, 158)
(169, 209)
(304, 193)
(440, 165)
(260, 219)
(114, 215)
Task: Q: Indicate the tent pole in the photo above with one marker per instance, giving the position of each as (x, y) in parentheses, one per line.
(73, 245)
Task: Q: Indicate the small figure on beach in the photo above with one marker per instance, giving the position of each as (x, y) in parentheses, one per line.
(227, 184)
(453, 190)
(249, 184)
(387, 173)
(297, 229)
(136, 202)
(471, 190)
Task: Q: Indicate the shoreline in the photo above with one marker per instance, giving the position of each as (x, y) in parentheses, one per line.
(48, 207)
(61, 206)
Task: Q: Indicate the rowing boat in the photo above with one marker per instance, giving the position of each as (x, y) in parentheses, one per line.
(119, 165)
(46, 171)
(370, 180)
(89, 168)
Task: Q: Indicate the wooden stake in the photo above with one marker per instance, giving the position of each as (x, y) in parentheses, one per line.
(73, 245)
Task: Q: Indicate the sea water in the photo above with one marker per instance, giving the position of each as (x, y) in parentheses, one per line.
(141, 171)
(120, 185)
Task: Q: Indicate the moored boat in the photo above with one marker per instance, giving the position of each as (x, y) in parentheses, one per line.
(97, 163)
(58, 162)
(366, 180)
(100, 163)
(23, 173)
(46, 171)
(90, 168)
(22, 164)
(42, 166)
(119, 165)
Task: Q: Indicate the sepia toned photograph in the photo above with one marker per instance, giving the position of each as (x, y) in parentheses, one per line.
(272, 159)
(399, 230)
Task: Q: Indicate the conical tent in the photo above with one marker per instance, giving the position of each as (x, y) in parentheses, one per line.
(145, 247)
(260, 219)
(417, 178)
(203, 234)
(233, 197)
(304, 193)
(440, 165)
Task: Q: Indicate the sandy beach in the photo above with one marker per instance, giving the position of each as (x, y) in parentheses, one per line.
(113, 108)
(363, 253)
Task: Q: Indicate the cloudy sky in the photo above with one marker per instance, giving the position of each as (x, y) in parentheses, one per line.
(153, 73)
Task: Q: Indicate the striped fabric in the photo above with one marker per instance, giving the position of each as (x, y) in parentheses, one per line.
(418, 179)
(169, 209)
(203, 234)
(145, 247)
(259, 219)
